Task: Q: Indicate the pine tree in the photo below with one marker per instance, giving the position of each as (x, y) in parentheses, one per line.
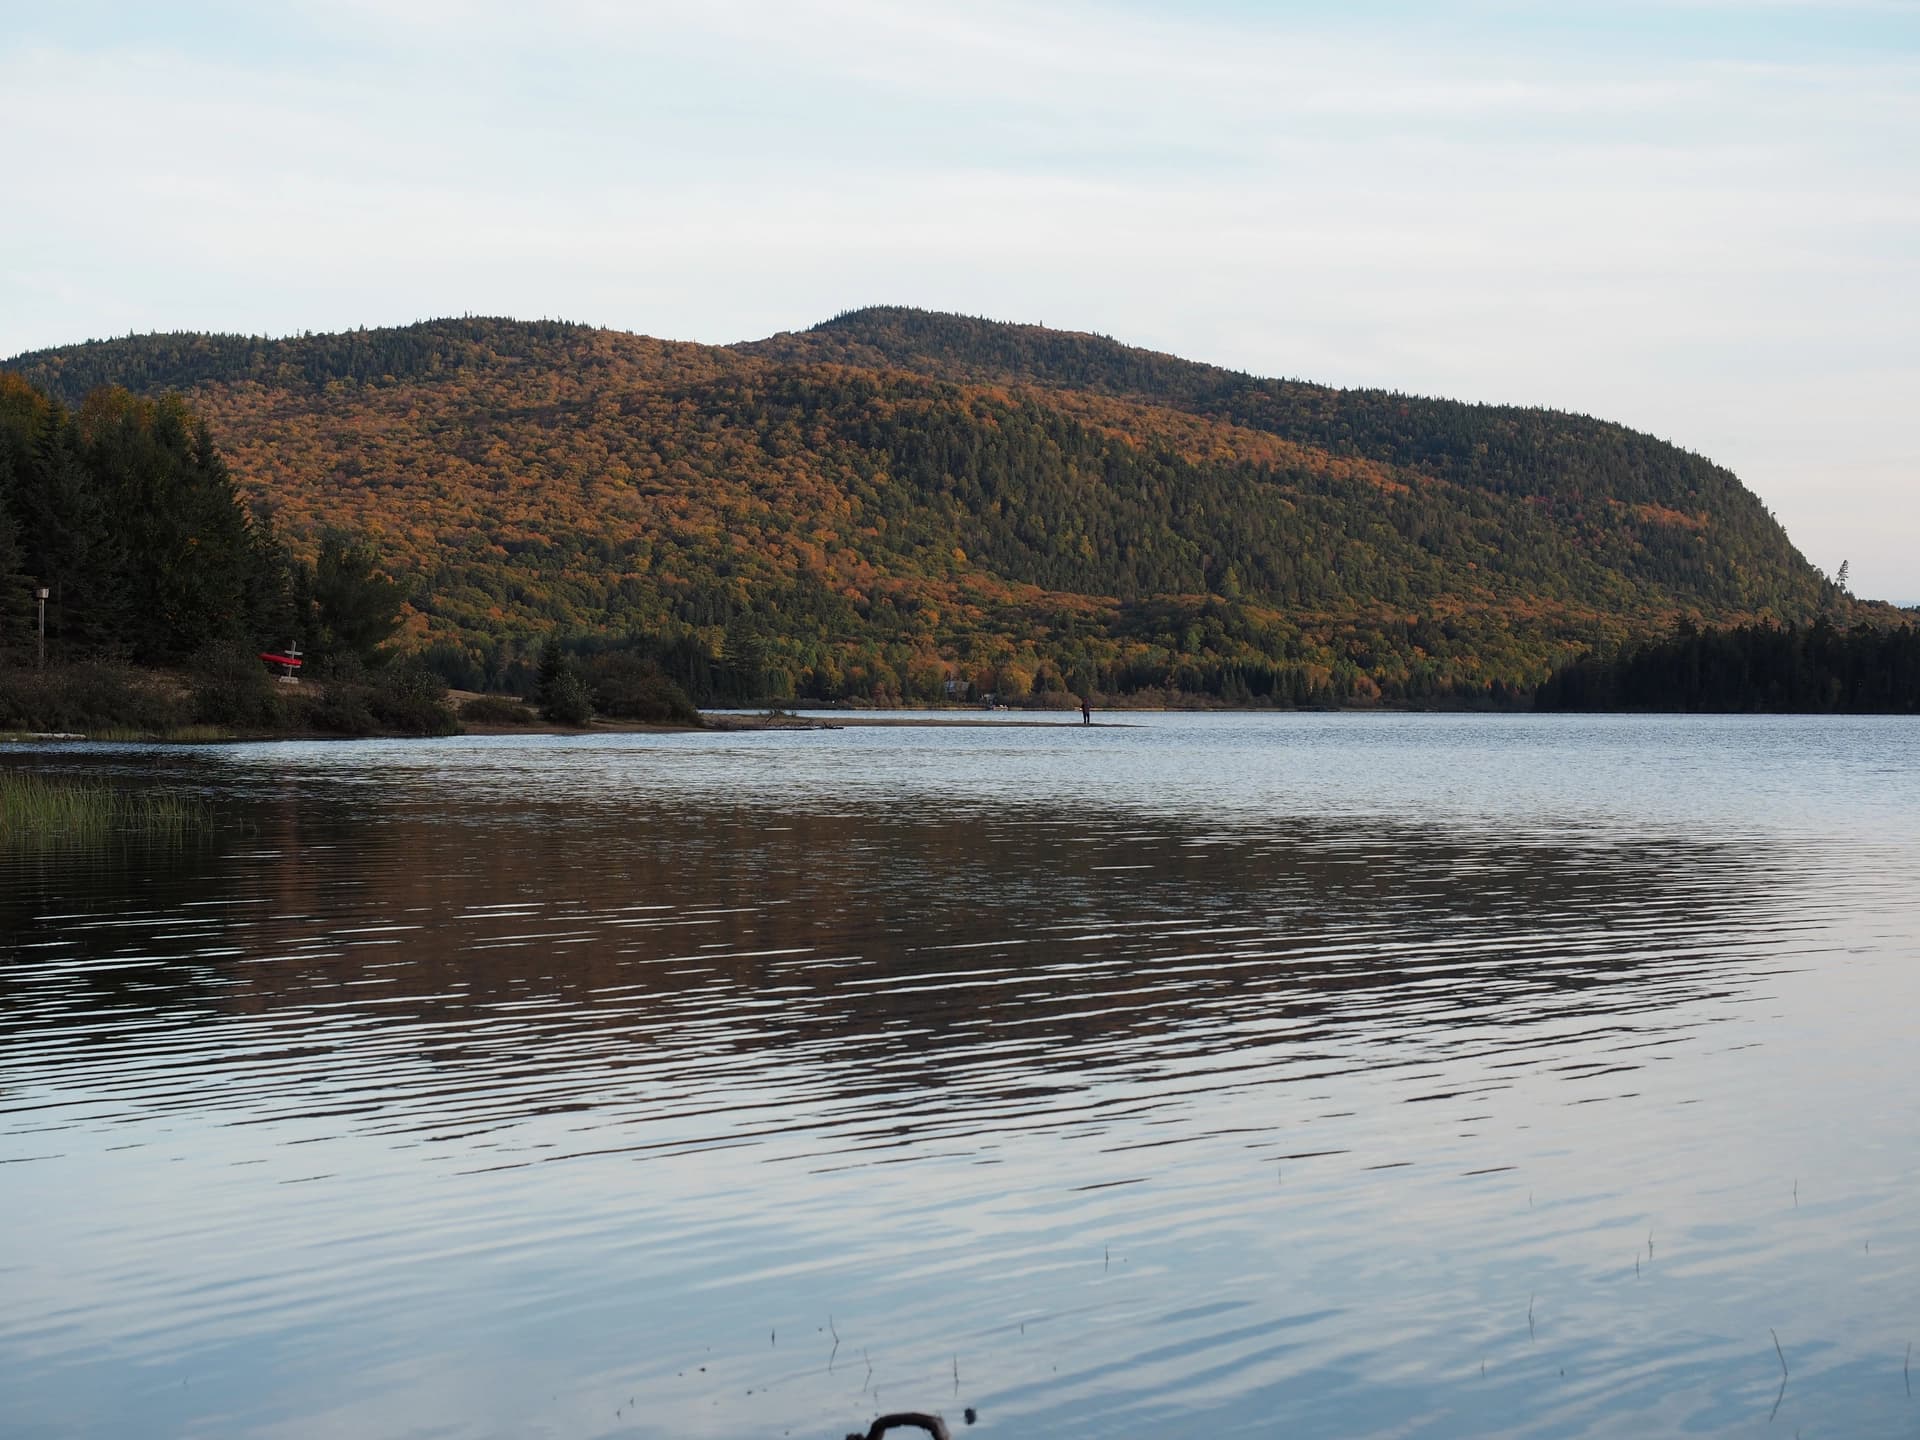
(169, 496)
(64, 529)
(17, 606)
(564, 696)
(356, 608)
(277, 613)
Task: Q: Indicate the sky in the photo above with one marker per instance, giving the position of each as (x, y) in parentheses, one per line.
(1700, 218)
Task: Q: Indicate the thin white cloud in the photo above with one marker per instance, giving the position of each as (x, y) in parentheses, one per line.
(1693, 242)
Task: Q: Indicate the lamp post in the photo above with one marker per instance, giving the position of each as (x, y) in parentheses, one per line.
(41, 596)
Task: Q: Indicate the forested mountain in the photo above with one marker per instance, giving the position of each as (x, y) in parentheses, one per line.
(1575, 472)
(897, 499)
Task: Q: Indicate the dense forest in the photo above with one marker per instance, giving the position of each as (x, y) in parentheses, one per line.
(126, 514)
(1803, 669)
(900, 506)
(121, 527)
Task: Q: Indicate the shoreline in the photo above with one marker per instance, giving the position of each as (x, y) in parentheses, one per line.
(723, 723)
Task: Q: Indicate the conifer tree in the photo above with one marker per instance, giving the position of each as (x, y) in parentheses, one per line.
(356, 608)
(170, 498)
(278, 610)
(564, 696)
(17, 607)
(64, 528)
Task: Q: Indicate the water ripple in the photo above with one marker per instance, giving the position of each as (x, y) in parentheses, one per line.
(917, 1070)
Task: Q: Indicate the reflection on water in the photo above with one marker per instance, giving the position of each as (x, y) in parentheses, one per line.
(1416, 1077)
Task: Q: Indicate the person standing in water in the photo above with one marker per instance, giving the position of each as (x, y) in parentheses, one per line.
(1086, 711)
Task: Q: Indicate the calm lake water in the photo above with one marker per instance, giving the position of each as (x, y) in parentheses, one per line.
(1230, 1075)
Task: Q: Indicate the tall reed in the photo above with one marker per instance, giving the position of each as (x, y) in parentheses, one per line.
(35, 810)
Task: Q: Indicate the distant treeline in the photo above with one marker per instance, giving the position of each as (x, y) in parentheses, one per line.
(751, 665)
(1817, 669)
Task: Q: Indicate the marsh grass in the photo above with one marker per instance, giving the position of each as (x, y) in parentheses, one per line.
(197, 735)
(36, 812)
(119, 734)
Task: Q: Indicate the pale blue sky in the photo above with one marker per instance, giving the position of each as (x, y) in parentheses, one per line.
(1701, 219)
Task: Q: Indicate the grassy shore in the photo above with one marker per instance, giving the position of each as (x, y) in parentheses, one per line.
(35, 811)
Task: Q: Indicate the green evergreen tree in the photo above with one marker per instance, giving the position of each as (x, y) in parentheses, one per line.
(64, 526)
(278, 609)
(564, 695)
(171, 501)
(745, 656)
(17, 605)
(356, 609)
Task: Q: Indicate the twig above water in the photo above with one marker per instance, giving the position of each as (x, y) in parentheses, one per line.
(932, 1424)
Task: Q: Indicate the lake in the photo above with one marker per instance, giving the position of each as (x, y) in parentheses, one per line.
(1327, 1075)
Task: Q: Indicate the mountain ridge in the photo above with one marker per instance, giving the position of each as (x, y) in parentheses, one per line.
(896, 492)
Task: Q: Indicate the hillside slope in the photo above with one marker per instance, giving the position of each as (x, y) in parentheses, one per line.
(897, 498)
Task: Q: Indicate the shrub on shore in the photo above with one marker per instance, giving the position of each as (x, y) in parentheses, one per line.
(232, 690)
(498, 710)
(626, 686)
(404, 699)
(335, 708)
(569, 702)
(227, 692)
(565, 697)
(94, 695)
(409, 699)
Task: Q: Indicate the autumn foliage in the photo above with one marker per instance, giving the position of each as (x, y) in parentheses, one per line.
(904, 506)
